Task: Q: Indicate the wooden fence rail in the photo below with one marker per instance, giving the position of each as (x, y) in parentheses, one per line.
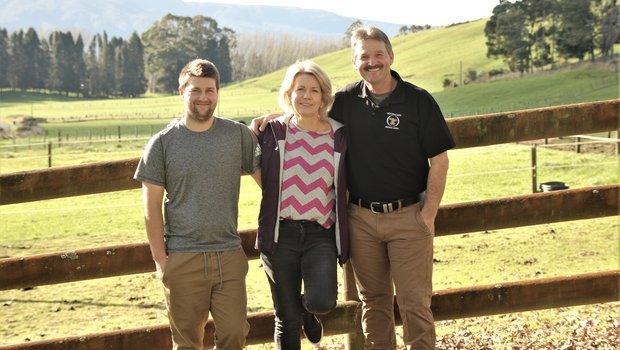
(474, 301)
(524, 210)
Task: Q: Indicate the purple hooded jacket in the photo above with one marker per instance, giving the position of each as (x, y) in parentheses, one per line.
(272, 142)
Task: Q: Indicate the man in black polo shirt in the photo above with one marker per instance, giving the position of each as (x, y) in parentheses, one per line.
(397, 165)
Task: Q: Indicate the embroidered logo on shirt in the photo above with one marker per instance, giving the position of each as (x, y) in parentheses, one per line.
(392, 121)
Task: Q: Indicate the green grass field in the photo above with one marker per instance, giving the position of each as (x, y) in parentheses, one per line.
(541, 251)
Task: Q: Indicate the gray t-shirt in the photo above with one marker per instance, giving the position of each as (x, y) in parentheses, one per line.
(200, 172)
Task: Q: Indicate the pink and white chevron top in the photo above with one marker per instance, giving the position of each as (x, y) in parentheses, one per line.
(308, 176)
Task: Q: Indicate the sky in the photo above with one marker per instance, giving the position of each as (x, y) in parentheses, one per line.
(419, 12)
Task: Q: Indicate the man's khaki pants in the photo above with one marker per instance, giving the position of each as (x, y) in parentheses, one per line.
(198, 283)
(393, 247)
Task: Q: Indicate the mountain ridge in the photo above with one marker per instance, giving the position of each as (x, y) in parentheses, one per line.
(121, 18)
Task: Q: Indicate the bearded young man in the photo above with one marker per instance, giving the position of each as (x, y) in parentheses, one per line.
(196, 163)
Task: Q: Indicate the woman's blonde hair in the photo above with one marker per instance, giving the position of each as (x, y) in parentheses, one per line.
(306, 67)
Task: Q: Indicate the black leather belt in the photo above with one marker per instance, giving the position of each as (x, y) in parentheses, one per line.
(305, 223)
(386, 207)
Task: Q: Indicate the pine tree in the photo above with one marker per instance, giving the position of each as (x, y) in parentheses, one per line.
(575, 36)
(63, 77)
(93, 67)
(33, 76)
(107, 66)
(5, 59)
(608, 29)
(79, 66)
(44, 64)
(133, 82)
(18, 67)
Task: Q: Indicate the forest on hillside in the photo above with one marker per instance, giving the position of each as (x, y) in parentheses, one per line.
(114, 66)
(532, 34)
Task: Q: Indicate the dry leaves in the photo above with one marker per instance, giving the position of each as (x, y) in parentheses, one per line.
(564, 329)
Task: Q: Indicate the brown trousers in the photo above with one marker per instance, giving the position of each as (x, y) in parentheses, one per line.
(196, 284)
(393, 249)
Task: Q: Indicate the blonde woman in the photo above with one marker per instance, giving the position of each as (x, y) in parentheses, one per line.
(302, 226)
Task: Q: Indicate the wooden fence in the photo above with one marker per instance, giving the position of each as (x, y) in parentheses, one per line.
(574, 204)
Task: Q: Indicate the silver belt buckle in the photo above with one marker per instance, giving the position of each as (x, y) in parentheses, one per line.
(387, 207)
(372, 207)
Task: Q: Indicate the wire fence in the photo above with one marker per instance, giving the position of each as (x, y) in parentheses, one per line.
(124, 139)
(82, 136)
(67, 143)
(75, 152)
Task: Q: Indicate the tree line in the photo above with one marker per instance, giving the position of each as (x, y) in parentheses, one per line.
(115, 67)
(61, 63)
(531, 34)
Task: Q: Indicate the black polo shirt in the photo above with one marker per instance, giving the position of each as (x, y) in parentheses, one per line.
(389, 144)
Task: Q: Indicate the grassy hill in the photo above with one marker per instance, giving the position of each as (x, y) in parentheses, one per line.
(424, 58)
(587, 82)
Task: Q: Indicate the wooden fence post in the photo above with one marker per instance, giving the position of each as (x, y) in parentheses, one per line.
(534, 170)
(49, 154)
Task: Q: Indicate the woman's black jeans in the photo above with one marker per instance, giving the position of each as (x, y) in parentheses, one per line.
(305, 252)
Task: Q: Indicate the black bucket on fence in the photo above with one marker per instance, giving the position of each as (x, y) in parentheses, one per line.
(553, 186)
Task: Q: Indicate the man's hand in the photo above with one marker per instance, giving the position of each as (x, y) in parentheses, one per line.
(428, 216)
(259, 124)
(160, 266)
(153, 196)
(434, 188)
